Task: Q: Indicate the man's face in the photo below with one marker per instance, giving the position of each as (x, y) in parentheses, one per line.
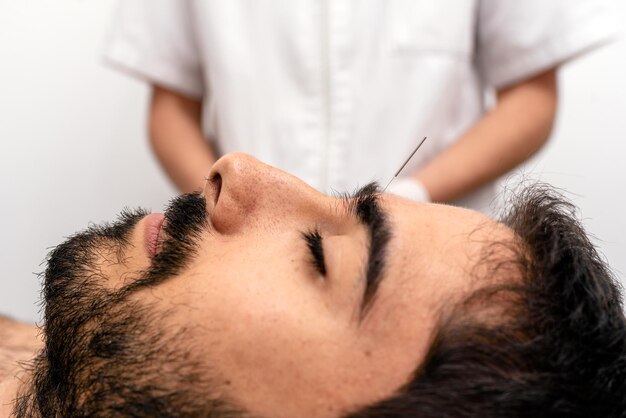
(304, 304)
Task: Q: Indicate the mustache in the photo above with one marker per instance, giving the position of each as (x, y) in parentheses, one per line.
(185, 221)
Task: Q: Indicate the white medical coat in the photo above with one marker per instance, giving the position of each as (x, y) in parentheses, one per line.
(338, 92)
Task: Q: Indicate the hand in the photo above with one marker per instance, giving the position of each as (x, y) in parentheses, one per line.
(409, 188)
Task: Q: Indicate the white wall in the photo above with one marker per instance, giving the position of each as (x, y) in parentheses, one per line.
(73, 146)
(72, 135)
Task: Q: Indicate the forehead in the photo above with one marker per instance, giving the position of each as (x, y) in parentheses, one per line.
(435, 238)
(433, 262)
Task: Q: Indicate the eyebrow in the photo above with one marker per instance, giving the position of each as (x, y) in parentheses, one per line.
(364, 205)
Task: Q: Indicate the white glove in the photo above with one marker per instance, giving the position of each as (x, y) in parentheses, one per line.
(409, 188)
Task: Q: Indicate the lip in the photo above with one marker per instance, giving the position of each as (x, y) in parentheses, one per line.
(152, 230)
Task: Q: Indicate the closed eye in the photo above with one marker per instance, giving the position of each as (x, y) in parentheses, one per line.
(313, 240)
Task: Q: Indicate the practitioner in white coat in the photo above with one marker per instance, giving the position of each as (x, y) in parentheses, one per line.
(339, 92)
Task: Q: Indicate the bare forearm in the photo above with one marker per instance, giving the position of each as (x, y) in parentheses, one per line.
(513, 131)
(177, 140)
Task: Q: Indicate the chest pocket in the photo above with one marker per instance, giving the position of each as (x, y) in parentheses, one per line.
(439, 26)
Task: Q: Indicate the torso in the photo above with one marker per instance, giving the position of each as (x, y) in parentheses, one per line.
(347, 95)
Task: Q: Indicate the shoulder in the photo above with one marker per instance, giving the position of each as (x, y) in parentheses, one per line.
(18, 341)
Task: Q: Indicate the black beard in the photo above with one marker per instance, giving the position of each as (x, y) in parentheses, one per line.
(96, 339)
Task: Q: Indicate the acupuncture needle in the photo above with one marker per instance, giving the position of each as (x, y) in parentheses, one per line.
(405, 163)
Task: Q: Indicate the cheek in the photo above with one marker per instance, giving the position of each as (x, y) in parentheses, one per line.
(266, 325)
(256, 295)
(251, 292)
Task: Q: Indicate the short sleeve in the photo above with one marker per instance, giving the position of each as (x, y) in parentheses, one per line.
(517, 39)
(155, 41)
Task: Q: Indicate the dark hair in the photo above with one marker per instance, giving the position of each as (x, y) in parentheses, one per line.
(553, 341)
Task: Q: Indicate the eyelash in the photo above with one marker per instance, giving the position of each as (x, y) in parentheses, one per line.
(314, 241)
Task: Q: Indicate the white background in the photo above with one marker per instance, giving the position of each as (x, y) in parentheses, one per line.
(74, 149)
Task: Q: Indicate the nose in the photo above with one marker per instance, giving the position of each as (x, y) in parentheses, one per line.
(246, 192)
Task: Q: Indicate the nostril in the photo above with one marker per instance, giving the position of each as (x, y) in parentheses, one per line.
(216, 183)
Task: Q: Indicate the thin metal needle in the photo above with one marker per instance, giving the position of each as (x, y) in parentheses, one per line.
(405, 163)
